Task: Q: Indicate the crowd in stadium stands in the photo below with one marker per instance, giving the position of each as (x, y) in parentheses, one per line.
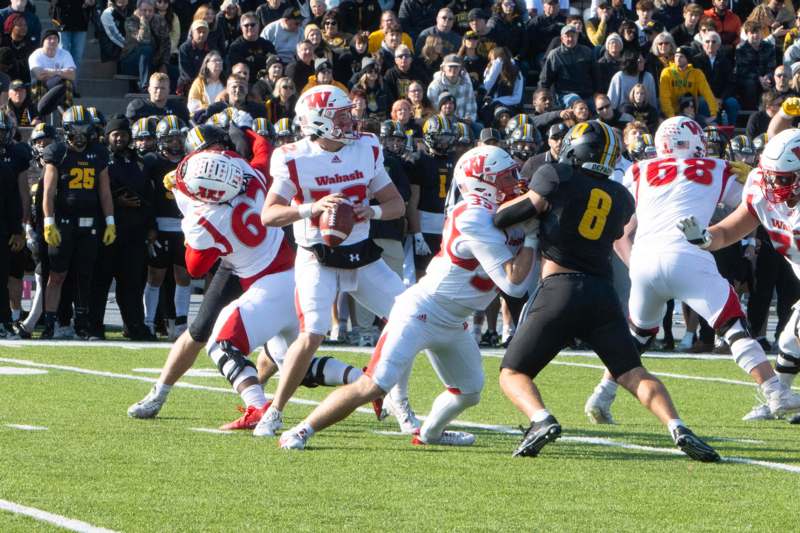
(447, 73)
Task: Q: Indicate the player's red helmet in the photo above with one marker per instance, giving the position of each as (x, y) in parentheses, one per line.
(210, 177)
(489, 172)
(780, 166)
(324, 111)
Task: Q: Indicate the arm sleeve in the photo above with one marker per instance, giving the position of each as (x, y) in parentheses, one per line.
(491, 74)
(261, 149)
(515, 97)
(614, 92)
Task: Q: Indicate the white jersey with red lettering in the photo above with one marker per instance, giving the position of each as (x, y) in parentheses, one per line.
(669, 189)
(456, 281)
(235, 229)
(302, 172)
(781, 222)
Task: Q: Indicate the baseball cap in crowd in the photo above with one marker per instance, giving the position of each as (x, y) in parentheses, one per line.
(444, 97)
(452, 60)
(272, 59)
(490, 135)
(367, 62)
(292, 13)
(17, 84)
(477, 13)
(557, 131)
(499, 110)
(568, 28)
(198, 24)
(684, 50)
(321, 64)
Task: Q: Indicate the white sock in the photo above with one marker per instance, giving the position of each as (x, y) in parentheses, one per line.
(182, 297)
(335, 372)
(607, 387)
(400, 391)
(786, 379)
(446, 407)
(150, 303)
(540, 415)
(36, 306)
(15, 314)
(304, 426)
(162, 390)
(772, 385)
(674, 423)
(254, 395)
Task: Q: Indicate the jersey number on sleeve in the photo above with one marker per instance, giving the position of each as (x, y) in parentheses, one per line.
(82, 178)
(594, 218)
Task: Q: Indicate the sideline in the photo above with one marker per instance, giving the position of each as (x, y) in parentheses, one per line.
(55, 519)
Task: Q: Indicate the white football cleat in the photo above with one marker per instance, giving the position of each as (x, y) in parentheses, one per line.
(294, 439)
(269, 424)
(448, 438)
(406, 419)
(147, 407)
(759, 412)
(598, 408)
(783, 402)
(64, 332)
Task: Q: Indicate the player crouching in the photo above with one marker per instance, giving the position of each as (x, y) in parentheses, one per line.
(475, 260)
(576, 298)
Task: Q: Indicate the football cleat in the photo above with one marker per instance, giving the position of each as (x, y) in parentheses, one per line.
(490, 339)
(270, 423)
(691, 445)
(537, 435)
(64, 332)
(294, 439)
(598, 407)
(377, 407)
(795, 419)
(47, 333)
(147, 407)
(249, 419)
(405, 416)
(21, 332)
(783, 401)
(759, 412)
(448, 438)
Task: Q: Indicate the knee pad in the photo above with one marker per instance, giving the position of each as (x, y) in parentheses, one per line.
(734, 329)
(787, 363)
(643, 337)
(232, 363)
(746, 351)
(315, 375)
(788, 341)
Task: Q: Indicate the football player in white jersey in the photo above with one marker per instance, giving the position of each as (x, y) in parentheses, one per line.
(474, 261)
(332, 164)
(770, 198)
(682, 182)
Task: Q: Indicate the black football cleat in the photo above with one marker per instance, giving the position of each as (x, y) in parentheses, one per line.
(691, 445)
(537, 435)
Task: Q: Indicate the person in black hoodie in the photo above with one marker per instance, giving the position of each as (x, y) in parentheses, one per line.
(684, 33)
(610, 63)
(404, 70)
(568, 68)
(545, 27)
(250, 48)
(303, 65)
(124, 260)
(191, 54)
(348, 61)
(670, 14)
(361, 15)
(507, 24)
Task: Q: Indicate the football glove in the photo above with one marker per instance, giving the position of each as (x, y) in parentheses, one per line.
(696, 235)
(16, 242)
(242, 119)
(110, 234)
(791, 106)
(169, 180)
(420, 246)
(740, 170)
(51, 235)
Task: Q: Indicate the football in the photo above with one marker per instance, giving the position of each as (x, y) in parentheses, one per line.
(337, 224)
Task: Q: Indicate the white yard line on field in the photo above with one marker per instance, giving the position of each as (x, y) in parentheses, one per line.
(212, 430)
(26, 427)
(488, 427)
(55, 519)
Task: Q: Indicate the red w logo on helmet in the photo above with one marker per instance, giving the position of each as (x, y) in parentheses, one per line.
(318, 99)
(473, 167)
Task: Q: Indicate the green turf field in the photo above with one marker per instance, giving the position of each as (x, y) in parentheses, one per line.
(96, 465)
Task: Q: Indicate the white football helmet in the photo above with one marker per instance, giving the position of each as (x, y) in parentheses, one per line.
(317, 111)
(780, 166)
(489, 172)
(680, 137)
(210, 177)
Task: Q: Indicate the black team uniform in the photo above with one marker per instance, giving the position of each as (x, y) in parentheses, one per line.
(433, 174)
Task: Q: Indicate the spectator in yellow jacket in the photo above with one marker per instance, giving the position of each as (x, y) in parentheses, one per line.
(681, 78)
(323, 75)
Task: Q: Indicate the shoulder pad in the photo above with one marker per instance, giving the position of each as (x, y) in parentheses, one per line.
(54, 153)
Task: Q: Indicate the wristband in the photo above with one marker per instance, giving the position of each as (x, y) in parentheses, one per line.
(531, 241)
(49, 221)
(304, 210)
(110, 220)
(377, 212)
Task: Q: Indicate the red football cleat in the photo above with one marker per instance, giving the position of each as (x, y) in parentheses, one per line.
(249, 419)
(377, 406)
(415, 440)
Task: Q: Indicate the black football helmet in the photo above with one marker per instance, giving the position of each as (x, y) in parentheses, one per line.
(98, 120)
(262, 127)
(205, 136)
(523, 142)
(716, 142)
(41, 136)
(591, 146)
(143, 134)
(438, 134)
(759, 142)
(740, 148)
(285, 132)
(171, 135)
(78, 126)
(393, 138)
(516, 121)
(643, 148)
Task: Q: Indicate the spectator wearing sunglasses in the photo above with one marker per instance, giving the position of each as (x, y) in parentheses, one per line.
(451, 41)
(250, 48)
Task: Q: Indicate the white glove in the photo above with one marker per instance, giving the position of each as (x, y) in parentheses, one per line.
(694, 233)
(242, 119)
(30, 237)
(420, 246)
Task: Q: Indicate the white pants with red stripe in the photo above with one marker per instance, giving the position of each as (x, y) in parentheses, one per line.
(264, 311)
(689, 275)
(374, 286)
(451, 349)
